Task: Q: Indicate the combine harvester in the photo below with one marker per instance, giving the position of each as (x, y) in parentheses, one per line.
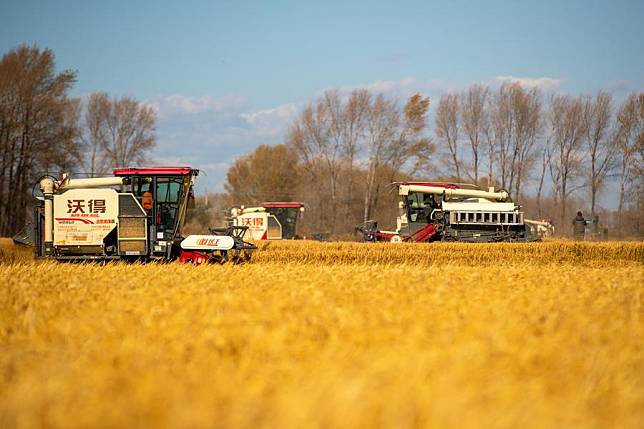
(137, 214)
(452, 212)
(270, 221)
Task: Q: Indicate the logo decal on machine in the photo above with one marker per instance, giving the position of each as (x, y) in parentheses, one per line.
(252, 221)
(72, 219)
(208, 242)
(80, 206)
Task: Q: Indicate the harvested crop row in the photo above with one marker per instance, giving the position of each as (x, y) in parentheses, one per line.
(587, 253)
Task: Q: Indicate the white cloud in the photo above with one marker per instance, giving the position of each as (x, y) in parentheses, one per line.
(272, 121)
(381, 86)
(174, 104)
(209, 133)
(531, 82)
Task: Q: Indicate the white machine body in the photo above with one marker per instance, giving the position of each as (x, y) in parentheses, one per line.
(259, 224)
(270, 221)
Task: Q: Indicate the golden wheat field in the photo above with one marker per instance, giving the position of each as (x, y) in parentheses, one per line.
(539, 335)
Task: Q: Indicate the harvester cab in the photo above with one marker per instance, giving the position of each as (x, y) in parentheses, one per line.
(452, 212)
(270, 221)
(138, 213)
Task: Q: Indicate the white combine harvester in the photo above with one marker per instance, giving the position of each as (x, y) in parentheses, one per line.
(270, 221)
(136, 214)
(433, 211)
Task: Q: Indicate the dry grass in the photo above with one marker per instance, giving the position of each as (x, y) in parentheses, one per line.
(12, 253)
(335, 335)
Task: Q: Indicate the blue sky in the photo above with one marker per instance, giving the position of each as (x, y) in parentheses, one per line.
(227, 76)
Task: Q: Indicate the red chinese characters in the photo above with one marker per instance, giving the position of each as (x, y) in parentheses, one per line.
(75, 206)
(253, 221)
(83, 206)
(96, 206)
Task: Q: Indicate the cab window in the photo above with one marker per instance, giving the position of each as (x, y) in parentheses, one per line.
(141, 185)
(167, 200)
(168, 190)
(419, 206)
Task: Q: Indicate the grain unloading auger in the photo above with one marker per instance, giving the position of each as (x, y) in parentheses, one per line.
(137, 214)
(452, 212)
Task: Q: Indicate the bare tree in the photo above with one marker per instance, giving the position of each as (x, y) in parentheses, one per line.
(129, 132)
(381, 129)
(393, 140)
(411, 144)
(330, 136)
(502, 126)
(38, 128)
(94, 134)
(630, 141)
(355, 117)
(490, 140)
(474, 117)
(567, 134)
(530, 125)
(447, 128)
(597, 117)
(515, 127)
(321, 153)
(545, 157)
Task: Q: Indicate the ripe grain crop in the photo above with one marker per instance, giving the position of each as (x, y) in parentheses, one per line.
(469, 254)
(329, 335)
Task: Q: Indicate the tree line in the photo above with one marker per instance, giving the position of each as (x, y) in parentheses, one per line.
(45, 131)
(556, 146)
(554, 152)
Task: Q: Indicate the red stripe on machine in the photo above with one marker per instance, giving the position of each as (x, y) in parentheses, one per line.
(85, 221)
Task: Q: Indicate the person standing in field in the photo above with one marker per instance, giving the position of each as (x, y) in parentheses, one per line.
(579, 226)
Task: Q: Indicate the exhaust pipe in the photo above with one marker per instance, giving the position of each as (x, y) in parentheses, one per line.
(47, 188)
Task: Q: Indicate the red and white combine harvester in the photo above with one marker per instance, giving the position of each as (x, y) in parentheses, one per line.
(136, 214)
(452, 212)
(270, 221)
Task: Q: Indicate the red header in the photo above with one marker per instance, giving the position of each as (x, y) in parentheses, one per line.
(289, 205)
(153, 171)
